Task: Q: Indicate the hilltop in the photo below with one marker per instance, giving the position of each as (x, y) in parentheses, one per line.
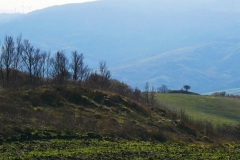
(49, 112)
(55, 112)
(73, 122)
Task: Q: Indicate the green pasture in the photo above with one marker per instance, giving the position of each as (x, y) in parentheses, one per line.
(217, 110)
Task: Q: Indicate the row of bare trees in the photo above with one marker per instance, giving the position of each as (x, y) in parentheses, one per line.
(22, 64)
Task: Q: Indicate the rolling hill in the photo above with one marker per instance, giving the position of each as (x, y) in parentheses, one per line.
(49, 112)
(217, 110)
(69, 122)
(211, 66)
(52, 111)
(173, 43)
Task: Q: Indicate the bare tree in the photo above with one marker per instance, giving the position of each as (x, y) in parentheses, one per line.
(79, 69)
(17, 59)
(60, 67)
(146, 92)
(28, 58)
(36, 71)
(19, 51)
(38, 65)
(105, 74)
(152, 96)
(7, 56)
(43, 64)
(163, 89)
(47, 65)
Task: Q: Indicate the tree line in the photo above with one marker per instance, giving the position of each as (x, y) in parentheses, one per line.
(24, 65)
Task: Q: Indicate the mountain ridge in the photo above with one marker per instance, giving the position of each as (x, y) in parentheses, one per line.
(126, 32)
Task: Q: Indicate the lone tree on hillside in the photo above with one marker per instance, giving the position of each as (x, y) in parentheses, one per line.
(187, 87)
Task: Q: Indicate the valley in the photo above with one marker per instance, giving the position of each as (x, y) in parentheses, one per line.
(121, 79)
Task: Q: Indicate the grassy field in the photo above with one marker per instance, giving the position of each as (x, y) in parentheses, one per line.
(217, 110)
(118, 149)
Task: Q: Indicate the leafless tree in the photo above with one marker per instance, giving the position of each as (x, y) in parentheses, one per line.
(17, 59)
(163, 89)
(146, 92)
(7, 56)
(60, 67)
(152, 96)
(105, 74)
(38, 65)
(47, 65)
(79, 69)
(28, 58)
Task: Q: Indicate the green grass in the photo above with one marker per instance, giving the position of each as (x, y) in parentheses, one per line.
(118, 149)
(217, 110)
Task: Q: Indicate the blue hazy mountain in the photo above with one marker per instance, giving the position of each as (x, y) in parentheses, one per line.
(160, 41)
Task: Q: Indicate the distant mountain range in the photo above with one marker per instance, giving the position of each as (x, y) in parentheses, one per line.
(156, 41)
(5, 18)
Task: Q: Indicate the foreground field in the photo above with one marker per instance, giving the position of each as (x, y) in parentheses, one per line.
(117, 149)
(217, 110)
(76, 123)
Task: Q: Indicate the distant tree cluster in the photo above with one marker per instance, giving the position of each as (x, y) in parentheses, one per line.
(224, 94)
(149, 94)
(163, 89)
(219, 94)
(22, 64)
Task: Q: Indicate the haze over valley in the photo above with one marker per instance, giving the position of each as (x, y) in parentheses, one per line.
(120, 79)
(160, 42)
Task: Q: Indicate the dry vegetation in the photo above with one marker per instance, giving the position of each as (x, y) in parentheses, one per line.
(43, 102)
(77, 111)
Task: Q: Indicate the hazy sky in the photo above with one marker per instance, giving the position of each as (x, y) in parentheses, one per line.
(25, 6)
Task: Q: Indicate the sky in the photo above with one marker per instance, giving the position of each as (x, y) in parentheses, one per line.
(26, 6)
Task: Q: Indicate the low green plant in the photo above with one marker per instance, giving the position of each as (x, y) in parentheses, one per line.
(117, 149)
